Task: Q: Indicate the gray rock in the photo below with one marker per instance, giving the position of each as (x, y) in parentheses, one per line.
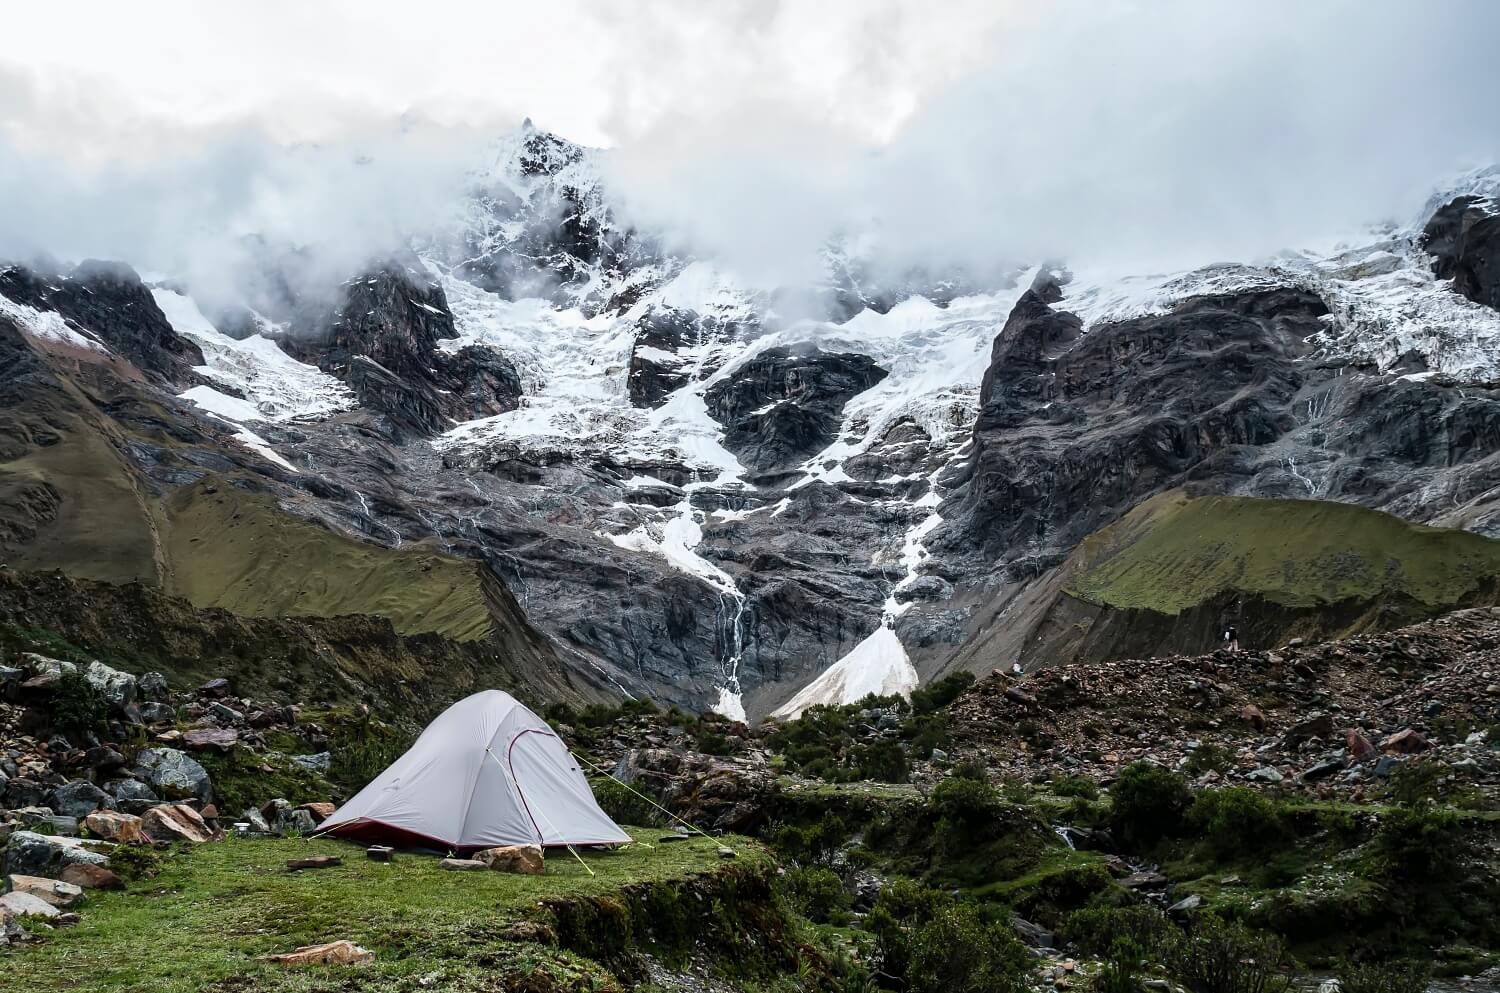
(158, 713)
(152, 686)
(27, 905)
(319, 763)
(225, 714)
(1187, 905)
(1265, 774)
(40, 665)
(22, 792)
(1322, 770)
(256, 820)
(79, 799)
(30, 854)
(174, 774)
(133, 789)
(118, 687)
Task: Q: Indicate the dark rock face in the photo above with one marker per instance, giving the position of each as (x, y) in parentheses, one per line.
(655, 369)
(1072, 431)
(784, 405)
(1464, 239)
(109, 299)
(384, 341)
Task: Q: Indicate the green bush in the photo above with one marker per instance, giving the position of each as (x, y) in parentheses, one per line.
(132, 862)
(937, 695)
(78, 706)
(814, 844)
(1076, 786)
(932, 943)
(1209, 758)
(1121, 969)
(1215, 956)
(1096, 930)
(1148, 804)
(1383, 977)
(1236, 820)
(966, 811)
(624, 806)
(1420, 843)
(816, 893)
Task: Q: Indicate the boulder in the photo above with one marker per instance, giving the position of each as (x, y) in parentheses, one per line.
(320, 811)
(225, 714)
(30, 854)
(333, 953)
(256, 821)
(216, 689)
(1322, 770)
(1253, 716)
(1265, 774)
(1186, 905)
(41, 665)
(1404, 742)
(123, 829)
(152, 686)
(1358, 745)
(153, 712)
(133, 796)
(27, 905)
(176, 822)
(314, 862)
(216, 739)
(319, 763)
(54, 891)
(91, 877)
(23, 792)
(79, 799)
(116, 686)
(174, 774)
(1319, 725)
(103, 759)
(524, 859)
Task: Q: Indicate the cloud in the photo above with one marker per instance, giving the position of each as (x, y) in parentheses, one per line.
(1133, 135)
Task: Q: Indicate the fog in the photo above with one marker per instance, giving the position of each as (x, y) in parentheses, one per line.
(1130, 136)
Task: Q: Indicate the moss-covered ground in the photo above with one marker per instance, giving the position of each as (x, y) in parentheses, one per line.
(200, 923)
(1172, 553)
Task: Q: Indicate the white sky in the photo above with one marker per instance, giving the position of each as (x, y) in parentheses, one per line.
(1140, 133)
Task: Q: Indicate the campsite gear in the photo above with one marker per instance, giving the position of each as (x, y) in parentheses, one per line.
(487, 772)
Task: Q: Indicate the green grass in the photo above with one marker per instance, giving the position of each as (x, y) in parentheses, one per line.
(1173, 553)
(236, 550)
(204, 919)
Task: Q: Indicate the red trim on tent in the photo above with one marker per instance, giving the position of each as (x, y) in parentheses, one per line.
(370, 830)
(510, 764)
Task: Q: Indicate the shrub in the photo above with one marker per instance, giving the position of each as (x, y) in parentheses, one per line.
(78, 706)
(966, 810)
(1383, 977)
(1096, 930)
(1121, 970)
(932, 943)
(1148, 804)
(1076, 786)
(1215, 956)
(623, 806)
(134, 862)
(1420, 843)
(815, 844)
(816, 893)
(937, 695)
(1209, 758)
(1234, 820)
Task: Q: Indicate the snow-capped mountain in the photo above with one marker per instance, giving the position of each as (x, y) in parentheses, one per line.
(700, 499)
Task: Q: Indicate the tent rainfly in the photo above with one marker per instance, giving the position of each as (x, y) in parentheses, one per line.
(486, 772)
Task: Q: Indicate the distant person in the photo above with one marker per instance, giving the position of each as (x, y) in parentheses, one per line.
(1232, 638)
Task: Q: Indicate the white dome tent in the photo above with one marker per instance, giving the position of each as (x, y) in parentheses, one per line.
(486, 772)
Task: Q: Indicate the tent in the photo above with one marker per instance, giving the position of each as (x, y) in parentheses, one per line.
(486, 772)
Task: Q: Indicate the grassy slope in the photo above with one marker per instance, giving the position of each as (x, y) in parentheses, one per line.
(1173, 553)
(206, 917)
(236, 550)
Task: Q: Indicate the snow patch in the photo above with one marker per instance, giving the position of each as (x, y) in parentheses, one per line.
(878, 665)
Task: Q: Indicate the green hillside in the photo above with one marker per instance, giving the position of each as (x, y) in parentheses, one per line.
(1173, 553)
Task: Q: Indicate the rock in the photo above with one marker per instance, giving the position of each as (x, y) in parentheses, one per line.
(257, 821)
(319, 763)
(174, 774)
(1358, 745)
(314, 862)
(1265, 774)
(1404, 742)
(151, 686)
(42, 665)
(133, 796)
(217, 739)
(54, 891)
(524, 859)
(123, 829)
(727, 853)
(215, 689)
(30, 854)
(104, 759)
(1033, 935)
(1322, 770)
(1317, 725)
(463, 865)
(91, 877)
(1387, 765)
(670, 838)
(320, 811)
(79, 799)
(28, 905)
(334, 953)
(116, 686)
(157, 713)
(176, 822)
(938, 755)
(225, 714)
(380, 853)
(1253, 716)
(22, 792)
(1187, 905)
(1144, 880)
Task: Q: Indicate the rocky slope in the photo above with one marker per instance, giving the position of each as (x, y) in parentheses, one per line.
(697, 498)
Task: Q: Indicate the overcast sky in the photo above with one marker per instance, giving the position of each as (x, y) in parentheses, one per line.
(1140, 134)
